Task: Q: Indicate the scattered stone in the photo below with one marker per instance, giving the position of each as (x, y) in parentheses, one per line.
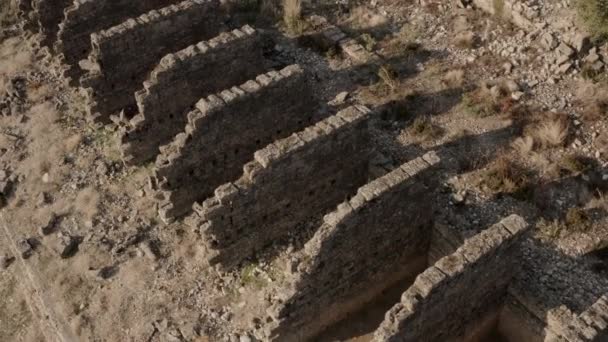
(49, 225)
(517, 95)
(548, 41)
(339, 99)
(107, 272)
(5, 261)
(65, 245)
(25, 247)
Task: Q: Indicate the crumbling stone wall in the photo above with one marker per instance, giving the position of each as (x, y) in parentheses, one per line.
(555, 298)
(460, 289)
(224, 132)
(382, 233)
(85, 17)
(292, 180)
(126, 53)
(49, 14)
(590, 326)
(183, 78)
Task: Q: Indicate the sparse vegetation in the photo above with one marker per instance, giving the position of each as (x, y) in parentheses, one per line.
(508, 176)
(574, 163)
(454, 78)
(551, 132)
(523, 146)
(499, 8)
(369, 42)
(577, 220)
(593, 14)
(479, 103)
(250, 277)
(292, 16)
(389, 77)
(423, 128)
(465, 40)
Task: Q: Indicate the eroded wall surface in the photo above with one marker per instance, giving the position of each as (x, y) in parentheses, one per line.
(180, 80)
(49, 14)
(292, 180)
(382, 233)
(125, 54)
(225, 130)
(460, 289)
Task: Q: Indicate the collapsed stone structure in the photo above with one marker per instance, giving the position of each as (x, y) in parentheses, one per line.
(221, 127)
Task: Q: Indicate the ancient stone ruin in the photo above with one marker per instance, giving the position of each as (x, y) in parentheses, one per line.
(247, 155)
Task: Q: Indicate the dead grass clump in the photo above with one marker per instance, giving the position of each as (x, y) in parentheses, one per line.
(389, 77)
(454, 78)
(465, 40)
(577, 220)
(363, 18)
(509, 177)
(87, 203)
(292, 16)
(479, 103)
(423, 128)
(575, 163)
(405, 42)
(523, 146)
(551, 132)
(550, 229)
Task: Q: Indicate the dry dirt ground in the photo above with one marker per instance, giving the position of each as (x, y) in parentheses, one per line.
(87, 258)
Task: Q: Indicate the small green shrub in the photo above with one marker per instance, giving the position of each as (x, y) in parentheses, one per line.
(369, 43)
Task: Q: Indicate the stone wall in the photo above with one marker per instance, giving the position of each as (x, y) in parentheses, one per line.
(224, 132)
(382, 232)
(460, 290)
(49, 14)
(183, 78)
(124, 55)
(291, 181)
(85, 17)
(555, 298)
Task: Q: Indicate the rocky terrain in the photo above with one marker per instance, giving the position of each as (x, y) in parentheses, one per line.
(250, 170)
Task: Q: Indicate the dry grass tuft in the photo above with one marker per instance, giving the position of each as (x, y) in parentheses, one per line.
(552, 132)
(423, 128)
(454, 78)
(577, 220)
(389, 77)
(87, 203)
(363, 18)
(523, 146)
(508, 176)
(575, 163)
(292, 16)
(465, 40)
